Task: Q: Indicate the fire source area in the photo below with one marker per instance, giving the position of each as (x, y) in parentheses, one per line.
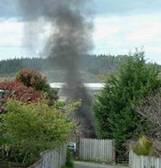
(70, 40)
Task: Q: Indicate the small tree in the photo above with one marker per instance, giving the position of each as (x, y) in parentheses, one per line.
(150, 109)
(28, 130)
(115, 106)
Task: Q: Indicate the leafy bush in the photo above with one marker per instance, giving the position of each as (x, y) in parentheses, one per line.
(18, 91)
(114, 107)
(37, 81)
(28, 130)
(32, 78)
(144, 146)
(69, 163)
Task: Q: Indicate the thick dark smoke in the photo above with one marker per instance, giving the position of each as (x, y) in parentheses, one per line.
(70, 40)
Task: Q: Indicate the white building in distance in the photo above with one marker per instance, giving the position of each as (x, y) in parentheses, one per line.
(92, 88)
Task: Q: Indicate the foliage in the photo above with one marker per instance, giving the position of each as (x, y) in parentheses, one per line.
(32, 78)
(38, 82)
(18, 91)
(143, 147)
(28, 130)
(115, 106)
(69, 163)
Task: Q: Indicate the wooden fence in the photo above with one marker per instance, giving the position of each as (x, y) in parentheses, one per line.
(52, 159)
(136, 161)
(96, 150)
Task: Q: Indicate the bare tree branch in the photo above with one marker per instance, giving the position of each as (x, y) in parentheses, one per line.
(150, 108)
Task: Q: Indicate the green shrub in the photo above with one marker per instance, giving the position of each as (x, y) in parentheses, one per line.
(31, 129)
(144, 146)
(69, 162)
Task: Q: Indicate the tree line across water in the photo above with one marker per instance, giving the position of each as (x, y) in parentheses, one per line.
(92, 66)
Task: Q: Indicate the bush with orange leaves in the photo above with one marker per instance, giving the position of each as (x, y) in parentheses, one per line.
(17, 90)
(32, 78)
(37, 81)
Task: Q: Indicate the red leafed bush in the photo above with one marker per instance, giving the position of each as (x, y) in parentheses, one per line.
(32, 78)
(18, 91)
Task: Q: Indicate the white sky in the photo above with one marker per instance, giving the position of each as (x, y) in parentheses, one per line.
(113, 34)
(119, 35)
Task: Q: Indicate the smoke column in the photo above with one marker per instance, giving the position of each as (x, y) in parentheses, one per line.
(69, 42)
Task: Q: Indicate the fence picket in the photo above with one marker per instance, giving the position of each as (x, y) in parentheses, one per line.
(136, 161)
(52, 159)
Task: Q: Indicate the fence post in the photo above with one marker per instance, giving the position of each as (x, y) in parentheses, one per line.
(113, 150)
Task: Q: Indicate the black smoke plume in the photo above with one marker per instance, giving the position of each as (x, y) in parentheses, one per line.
(69, 41)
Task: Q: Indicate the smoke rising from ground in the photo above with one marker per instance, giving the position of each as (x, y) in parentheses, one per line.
(69, 41)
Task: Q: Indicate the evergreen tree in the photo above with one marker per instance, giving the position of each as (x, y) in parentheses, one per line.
(115, 106)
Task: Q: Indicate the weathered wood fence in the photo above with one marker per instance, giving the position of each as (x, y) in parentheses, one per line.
(52, 159)
(136, 161)
(97, 150)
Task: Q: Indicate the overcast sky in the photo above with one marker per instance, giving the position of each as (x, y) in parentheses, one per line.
(120, 27)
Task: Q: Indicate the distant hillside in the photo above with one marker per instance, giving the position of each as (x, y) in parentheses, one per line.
(92, 67)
